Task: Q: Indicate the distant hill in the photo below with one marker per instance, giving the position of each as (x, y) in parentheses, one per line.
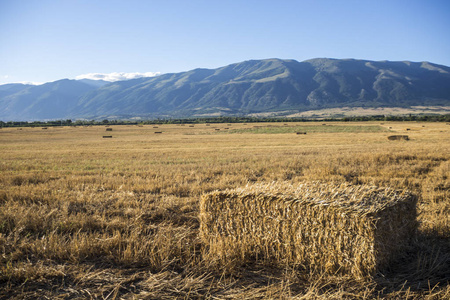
(249, 87)
(12, 88)
(51, 100)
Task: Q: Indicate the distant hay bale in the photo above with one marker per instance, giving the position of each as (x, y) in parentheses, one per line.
(217, 129)
(44, 127)
(407, 129)
(108, 129)
(158, 131)
(398, 137)
(301, 132)
(107, 136)
(155, 126)
(331, 228)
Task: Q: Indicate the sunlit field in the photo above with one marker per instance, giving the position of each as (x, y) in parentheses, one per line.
(87, 216)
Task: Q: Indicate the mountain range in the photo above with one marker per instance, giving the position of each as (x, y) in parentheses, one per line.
(249, 87)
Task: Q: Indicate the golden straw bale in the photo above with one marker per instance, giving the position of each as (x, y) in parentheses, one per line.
(398, 137)
(331, 228)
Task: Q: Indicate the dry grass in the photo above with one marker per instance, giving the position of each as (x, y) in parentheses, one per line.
(362, 111)
(87, 217)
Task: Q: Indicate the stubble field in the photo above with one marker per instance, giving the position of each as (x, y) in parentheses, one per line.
(82, 216)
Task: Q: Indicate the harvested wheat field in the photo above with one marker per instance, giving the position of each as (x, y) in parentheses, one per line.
(138, 216)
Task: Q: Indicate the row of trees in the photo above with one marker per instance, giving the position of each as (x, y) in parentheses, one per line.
(63, 123)
(420, 118)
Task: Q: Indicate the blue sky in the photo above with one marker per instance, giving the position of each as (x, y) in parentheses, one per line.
(47, 40)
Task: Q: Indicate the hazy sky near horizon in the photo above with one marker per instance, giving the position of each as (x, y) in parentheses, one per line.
(47, 40)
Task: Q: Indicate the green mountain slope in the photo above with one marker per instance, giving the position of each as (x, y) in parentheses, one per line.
(274, 85)
(254, 86)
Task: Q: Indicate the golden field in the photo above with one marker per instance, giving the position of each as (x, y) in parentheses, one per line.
(87, 217)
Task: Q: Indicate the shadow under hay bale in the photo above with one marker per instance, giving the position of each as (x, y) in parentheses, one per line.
(398, 137)
(351, 229)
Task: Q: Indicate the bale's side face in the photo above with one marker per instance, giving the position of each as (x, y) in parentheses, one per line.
(323, 227)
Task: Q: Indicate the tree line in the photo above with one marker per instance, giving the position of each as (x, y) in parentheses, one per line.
(230, 119)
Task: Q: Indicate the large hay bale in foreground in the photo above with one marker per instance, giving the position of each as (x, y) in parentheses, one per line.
(354, 229)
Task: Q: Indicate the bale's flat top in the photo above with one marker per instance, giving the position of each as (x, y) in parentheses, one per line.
(357, 198)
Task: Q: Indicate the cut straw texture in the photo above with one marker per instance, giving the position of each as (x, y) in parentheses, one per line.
(331, 228)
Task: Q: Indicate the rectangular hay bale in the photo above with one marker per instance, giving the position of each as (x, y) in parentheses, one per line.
(398, 137)
(331, 228)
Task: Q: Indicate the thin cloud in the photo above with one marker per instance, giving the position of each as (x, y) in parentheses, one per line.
(116, 76)
(6, 79)
(30, 82)
(22, 82)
